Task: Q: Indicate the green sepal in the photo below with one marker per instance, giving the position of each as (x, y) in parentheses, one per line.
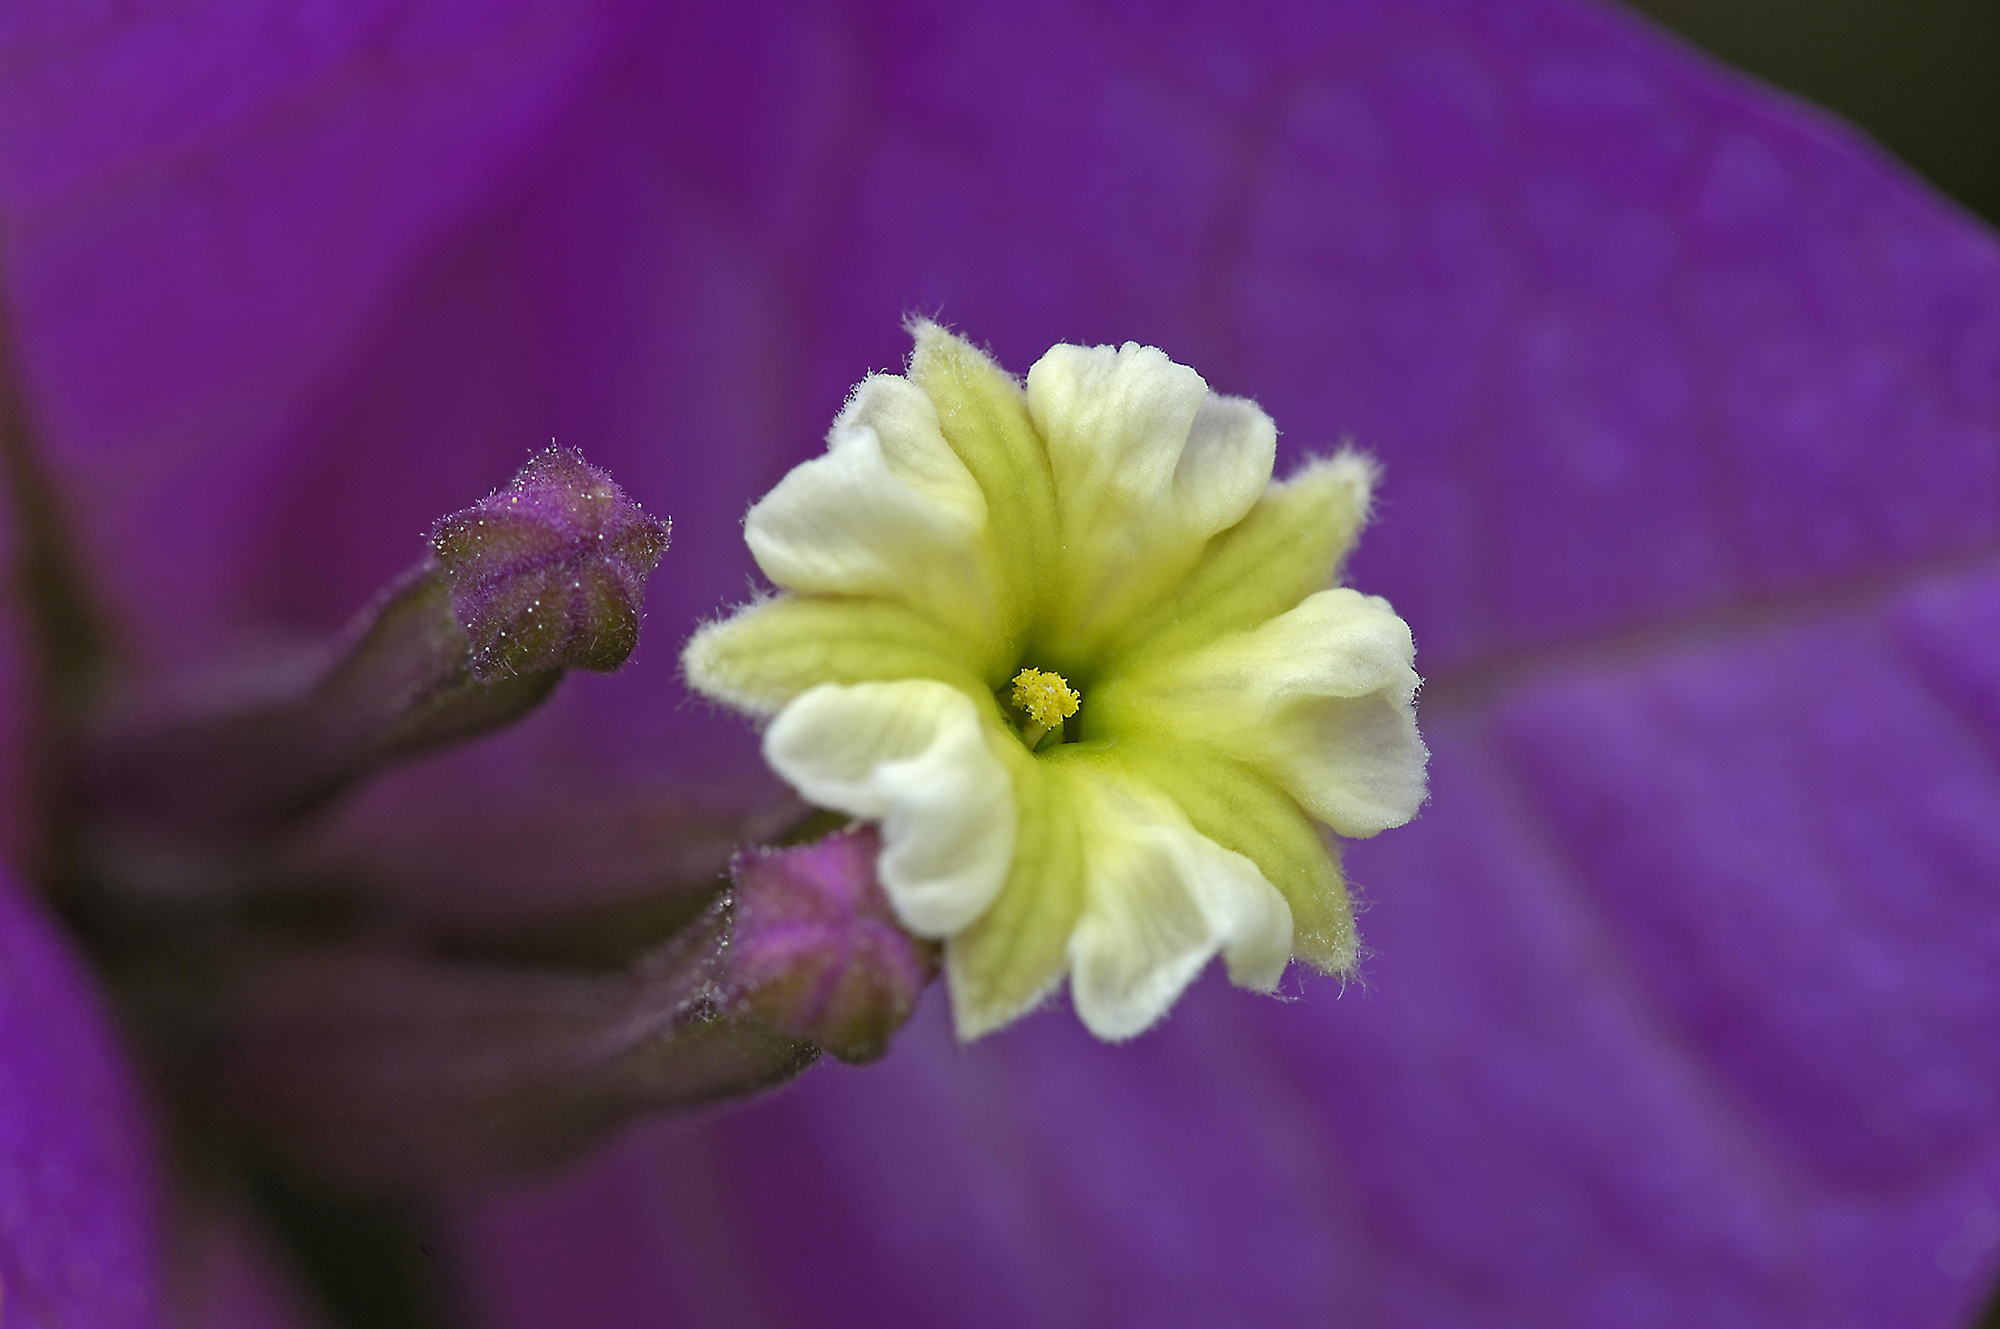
(1247, 814)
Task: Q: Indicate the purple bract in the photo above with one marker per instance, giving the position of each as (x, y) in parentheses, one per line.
(1683, 993)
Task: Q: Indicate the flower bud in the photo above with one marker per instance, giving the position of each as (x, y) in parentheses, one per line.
(818, 952)
(545, 574)
(550, 571)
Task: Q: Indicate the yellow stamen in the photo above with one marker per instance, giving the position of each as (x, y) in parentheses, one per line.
(1046, 698)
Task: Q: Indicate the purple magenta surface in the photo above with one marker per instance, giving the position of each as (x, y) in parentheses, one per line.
(816, 949)
(1682, 1006)
(79, 1206)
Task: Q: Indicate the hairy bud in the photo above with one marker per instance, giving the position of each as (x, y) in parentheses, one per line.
(818, 952)
(550, 571)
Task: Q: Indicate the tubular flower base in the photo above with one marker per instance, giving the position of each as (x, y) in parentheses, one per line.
(1079, 656)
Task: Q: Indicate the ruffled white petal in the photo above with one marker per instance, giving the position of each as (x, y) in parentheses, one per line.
(1226, 464)
(888, 511)
(1322, 698)
(913, 755)
(1148, 465)
(1160, 901)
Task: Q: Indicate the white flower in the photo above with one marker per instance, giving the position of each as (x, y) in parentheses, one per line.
(1084, 662)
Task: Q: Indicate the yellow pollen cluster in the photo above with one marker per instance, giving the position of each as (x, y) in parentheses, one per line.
(1046, 698)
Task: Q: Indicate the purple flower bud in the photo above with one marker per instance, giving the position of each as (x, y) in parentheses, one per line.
(818, 952)
(550, 571)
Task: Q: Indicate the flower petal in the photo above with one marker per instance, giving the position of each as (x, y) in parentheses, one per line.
(984, 416)
(1160, 900)
(913, 755)
(769, 653)
(1017, 951)
(1321, 699)
(1148, 465)
(1287, 547)
(1244, 812)
(889, 510)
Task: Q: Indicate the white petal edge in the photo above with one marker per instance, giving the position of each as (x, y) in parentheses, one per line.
(888, 510)
(1161, 900)
(1115, 420)
(1226, 465)
(1323, 699)
(1148, 465)
(913, 755)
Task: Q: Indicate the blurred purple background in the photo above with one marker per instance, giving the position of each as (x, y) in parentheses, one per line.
(1686, 984)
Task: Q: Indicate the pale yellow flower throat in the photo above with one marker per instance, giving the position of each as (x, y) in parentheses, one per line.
(1046, 700)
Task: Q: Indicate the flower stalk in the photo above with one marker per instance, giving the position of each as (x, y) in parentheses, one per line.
(542, 576)
(367, 1032)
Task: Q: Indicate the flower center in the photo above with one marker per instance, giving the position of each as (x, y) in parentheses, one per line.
(1045, 700)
